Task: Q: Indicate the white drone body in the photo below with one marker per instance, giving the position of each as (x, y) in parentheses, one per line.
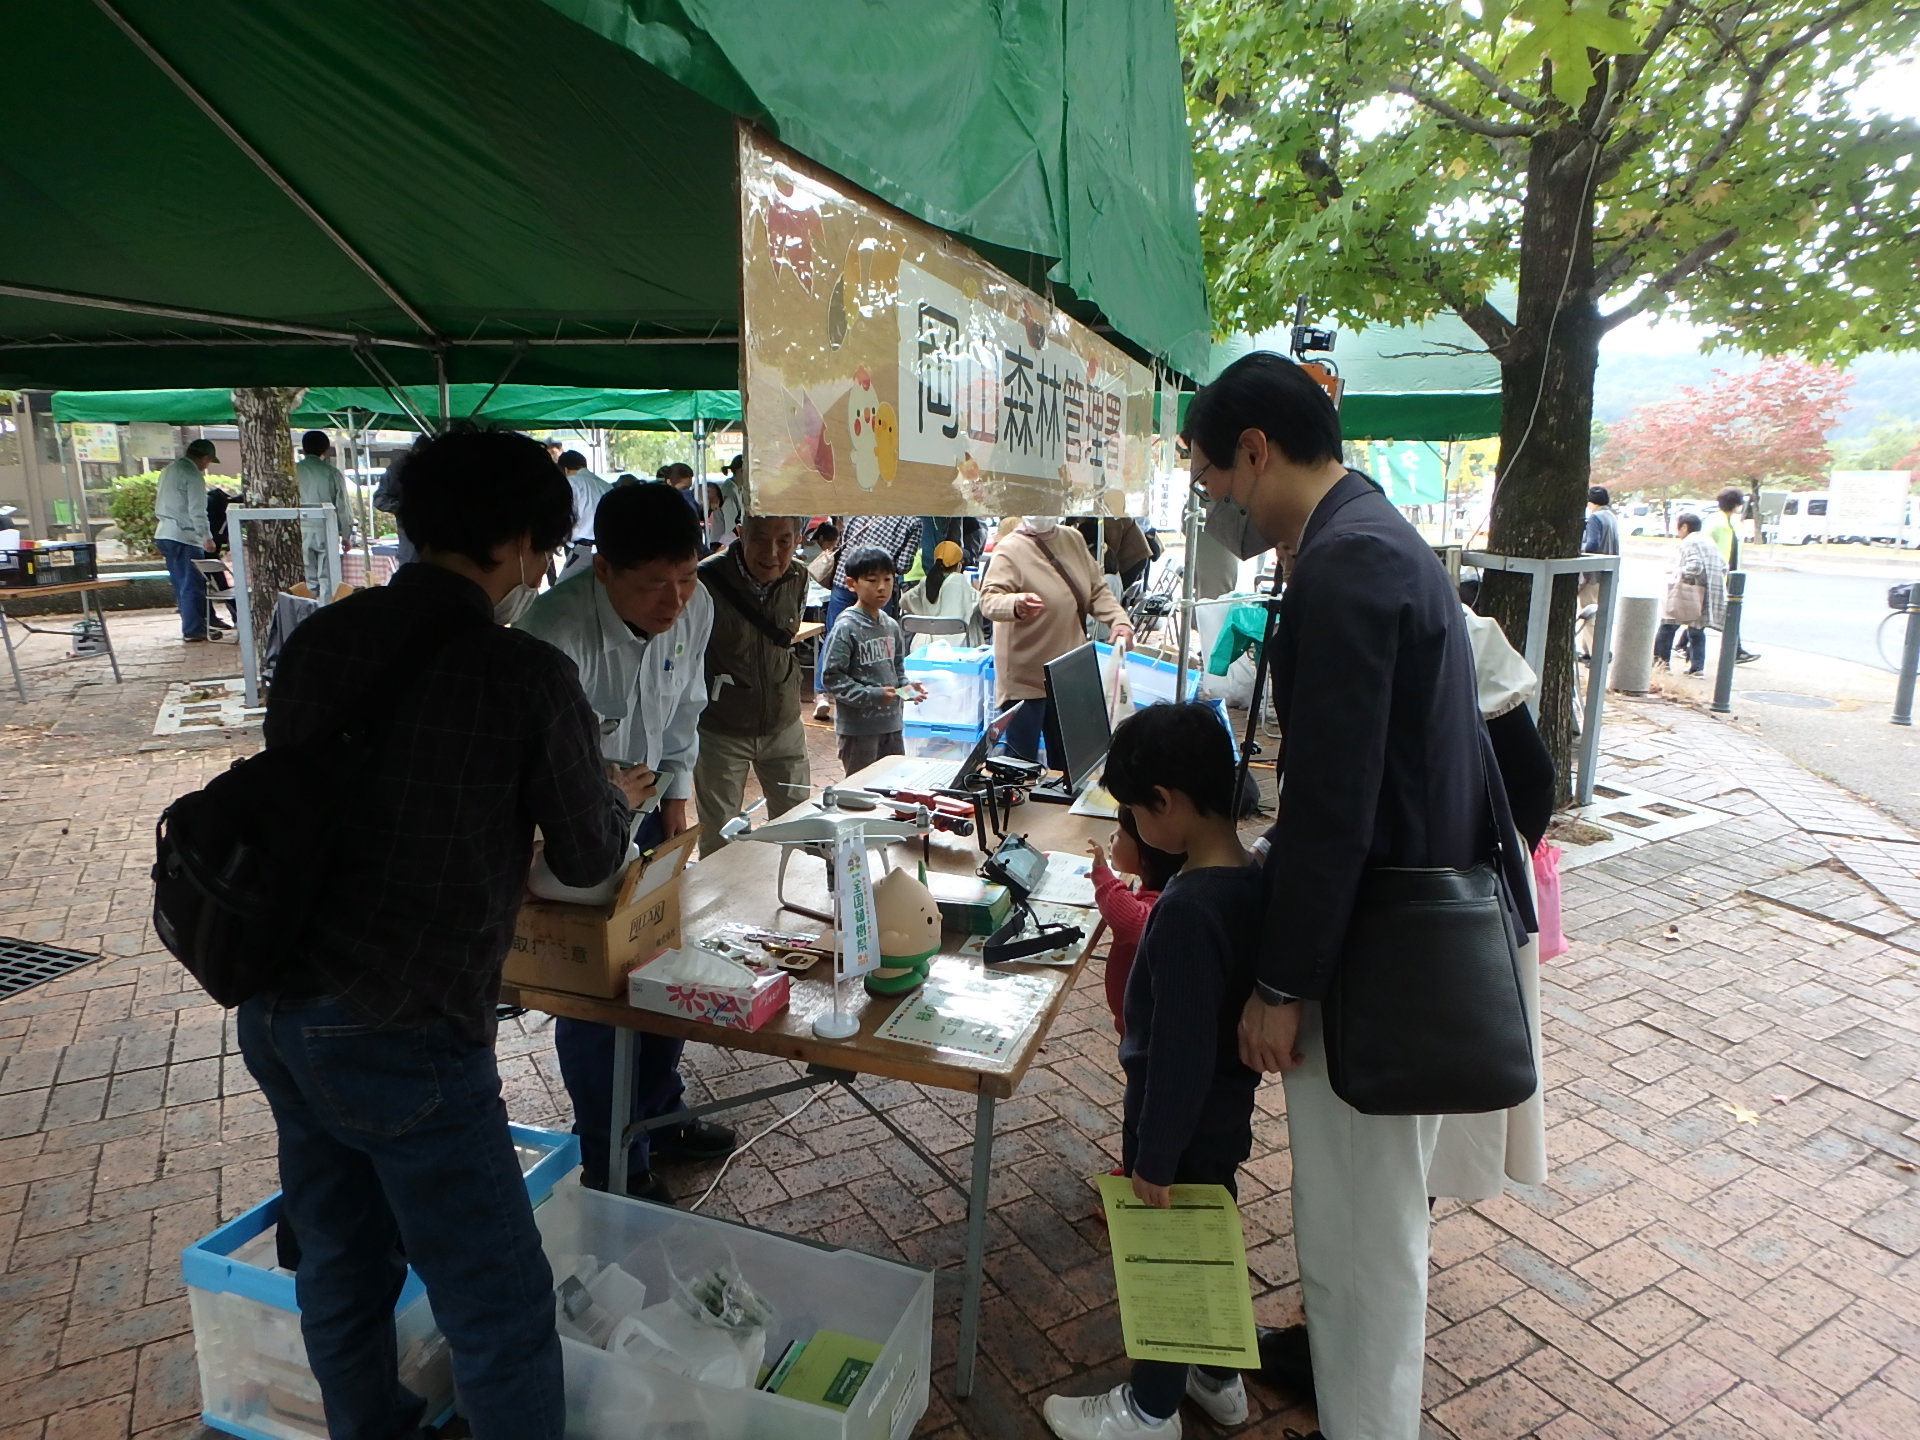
(819, 831)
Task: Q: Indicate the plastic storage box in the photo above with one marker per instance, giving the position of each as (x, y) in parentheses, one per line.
(1151, 680)
(809, 1287)
(940, 742)
(254, 1377)
(959, 685)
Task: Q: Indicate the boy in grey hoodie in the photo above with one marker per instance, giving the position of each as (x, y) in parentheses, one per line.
(866, 666)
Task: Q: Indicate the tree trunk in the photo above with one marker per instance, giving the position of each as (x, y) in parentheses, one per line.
(275, 561)
(1546, 417)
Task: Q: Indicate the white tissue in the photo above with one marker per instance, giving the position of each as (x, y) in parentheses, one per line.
(692, 965)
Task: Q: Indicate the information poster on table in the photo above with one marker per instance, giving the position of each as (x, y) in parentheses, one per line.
(888, 370)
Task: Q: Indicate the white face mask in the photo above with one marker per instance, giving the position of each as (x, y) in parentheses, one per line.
(1041, 524)
(513, 606)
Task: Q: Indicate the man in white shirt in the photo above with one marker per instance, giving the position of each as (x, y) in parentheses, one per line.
(183, 534)
(321, 483)
(635, 622)
(588, 489)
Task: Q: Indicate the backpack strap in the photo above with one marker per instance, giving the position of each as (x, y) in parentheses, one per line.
(723, 583)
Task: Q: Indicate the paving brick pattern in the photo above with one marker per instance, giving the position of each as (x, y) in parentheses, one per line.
(1728, 1247)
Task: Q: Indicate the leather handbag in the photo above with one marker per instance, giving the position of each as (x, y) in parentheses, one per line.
(1686, 603)
(1425, 1015)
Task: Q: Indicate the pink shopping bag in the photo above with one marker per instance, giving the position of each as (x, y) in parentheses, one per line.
(1546, 901)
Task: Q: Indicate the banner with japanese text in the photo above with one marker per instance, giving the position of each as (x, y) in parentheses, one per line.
(888, 370)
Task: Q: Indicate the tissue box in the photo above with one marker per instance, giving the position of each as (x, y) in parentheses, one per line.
(588, 949)
(733, 1007)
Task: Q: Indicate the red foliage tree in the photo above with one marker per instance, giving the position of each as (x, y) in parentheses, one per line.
(1767, 426)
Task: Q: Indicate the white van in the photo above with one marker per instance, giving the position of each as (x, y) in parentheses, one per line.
(1803, 520)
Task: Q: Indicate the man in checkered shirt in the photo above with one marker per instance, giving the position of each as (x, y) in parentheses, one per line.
(376, 1055)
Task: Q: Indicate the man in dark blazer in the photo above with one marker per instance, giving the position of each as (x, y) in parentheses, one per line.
(1373, 687)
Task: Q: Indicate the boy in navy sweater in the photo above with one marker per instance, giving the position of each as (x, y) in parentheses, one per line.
(1189, 1106)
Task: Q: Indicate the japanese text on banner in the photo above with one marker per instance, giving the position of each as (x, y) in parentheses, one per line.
(859, 935)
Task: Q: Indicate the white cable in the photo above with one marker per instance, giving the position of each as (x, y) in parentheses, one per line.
(1546, 350)
(742, 1149)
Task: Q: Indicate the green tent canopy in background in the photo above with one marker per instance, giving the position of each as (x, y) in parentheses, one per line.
(274, 192)
(1433, 381)
(525, 407)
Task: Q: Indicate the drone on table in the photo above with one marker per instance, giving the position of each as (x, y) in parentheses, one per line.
(840, 810)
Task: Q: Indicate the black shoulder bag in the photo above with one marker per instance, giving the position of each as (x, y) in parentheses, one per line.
(240, 863)
(1425, 1015)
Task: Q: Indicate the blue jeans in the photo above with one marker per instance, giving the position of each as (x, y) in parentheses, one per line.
(585, 1051)
(1025, 731)
(189, 585)
(392, 1142)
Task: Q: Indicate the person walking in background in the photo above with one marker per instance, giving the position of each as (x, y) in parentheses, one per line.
(866, 665)
(588, 489)
(1601, 537)
(1697, 565)
(183, 534)
(1725, 535)
(321, 483)
(898, 537)
(752, 717)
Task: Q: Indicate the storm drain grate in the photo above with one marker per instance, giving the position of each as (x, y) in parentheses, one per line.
(24, 964)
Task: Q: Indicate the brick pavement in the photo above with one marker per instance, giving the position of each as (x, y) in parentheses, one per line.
(1728, 1248)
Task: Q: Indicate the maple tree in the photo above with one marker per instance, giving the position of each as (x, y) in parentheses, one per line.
(1767, 427)
(1389, 159)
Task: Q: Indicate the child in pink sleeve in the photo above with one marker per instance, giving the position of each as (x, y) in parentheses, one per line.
(1123, 908)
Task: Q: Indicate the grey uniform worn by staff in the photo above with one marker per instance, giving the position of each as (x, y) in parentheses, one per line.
(321, 483)
(183, 535)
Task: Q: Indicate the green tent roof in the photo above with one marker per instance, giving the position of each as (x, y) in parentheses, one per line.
(526, 407)
(548, 184)
(1433, 381)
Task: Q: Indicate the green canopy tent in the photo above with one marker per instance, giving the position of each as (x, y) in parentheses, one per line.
(1433, 381)
(526, 407)
(241, 192)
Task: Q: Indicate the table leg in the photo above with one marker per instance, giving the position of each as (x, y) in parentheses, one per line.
(977, 1201)
(99, 612)
(6, 634)
(621, 1111)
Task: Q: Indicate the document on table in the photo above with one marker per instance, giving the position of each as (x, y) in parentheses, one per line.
(1095, 802)
(964, 1013)
(1181, 1274)
(1068, 880)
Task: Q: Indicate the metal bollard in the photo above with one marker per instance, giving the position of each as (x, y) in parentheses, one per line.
(1909, 661)
(1729, 644)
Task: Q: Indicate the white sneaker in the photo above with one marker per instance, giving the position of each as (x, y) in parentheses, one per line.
(1225, 1406)
(1106, 1417)
(823, 711)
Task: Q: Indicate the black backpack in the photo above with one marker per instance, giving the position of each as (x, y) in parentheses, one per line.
(240, 862)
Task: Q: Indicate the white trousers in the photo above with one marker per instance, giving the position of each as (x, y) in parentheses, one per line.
(1360, 1226)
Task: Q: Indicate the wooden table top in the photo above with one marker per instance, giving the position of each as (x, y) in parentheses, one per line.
(70, 587)
(737, 885)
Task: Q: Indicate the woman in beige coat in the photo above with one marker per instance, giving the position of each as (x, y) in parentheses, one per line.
(1039, 589)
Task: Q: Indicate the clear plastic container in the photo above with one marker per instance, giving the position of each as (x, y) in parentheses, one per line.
(254, 1376)
(807, 1288)
(939, 742)
(959, 685)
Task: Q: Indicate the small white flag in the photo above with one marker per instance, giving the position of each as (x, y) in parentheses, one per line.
(859, 933)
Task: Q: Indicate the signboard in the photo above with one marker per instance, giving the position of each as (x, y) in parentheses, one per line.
(96, 443)
(888, 370)
(858, 950)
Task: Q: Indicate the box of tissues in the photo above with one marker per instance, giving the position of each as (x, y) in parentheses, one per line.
(697, 984)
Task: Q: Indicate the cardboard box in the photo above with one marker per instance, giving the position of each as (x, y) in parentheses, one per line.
(588, 949)
(735, 1007)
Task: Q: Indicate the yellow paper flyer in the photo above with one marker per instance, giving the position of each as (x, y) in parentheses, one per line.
(1182, 1276)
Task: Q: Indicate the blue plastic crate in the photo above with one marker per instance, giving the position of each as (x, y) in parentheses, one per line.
(959, 685)
(941, 742)
(254, 1377)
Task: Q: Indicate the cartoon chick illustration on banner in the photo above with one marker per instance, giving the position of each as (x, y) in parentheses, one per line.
(909, 919)
(874, 432)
